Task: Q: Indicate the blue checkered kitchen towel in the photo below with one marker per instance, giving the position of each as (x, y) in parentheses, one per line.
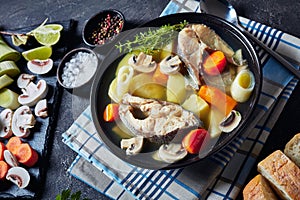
(220, 177)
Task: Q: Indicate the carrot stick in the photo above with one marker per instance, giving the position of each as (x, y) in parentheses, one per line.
(217, 98)
(27, 155)
(2, 148)
(3, 169)
(13, 144)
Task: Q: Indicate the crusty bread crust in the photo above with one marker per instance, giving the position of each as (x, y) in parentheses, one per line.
(258, 188)
(282, 173)
(292, 149)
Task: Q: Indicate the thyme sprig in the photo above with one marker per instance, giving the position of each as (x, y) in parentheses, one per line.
(152, 40)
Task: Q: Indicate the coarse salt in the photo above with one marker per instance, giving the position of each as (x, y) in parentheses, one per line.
(79, 69)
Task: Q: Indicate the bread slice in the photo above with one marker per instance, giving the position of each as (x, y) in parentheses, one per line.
(282, 173)
(292, 149)
(258, 188)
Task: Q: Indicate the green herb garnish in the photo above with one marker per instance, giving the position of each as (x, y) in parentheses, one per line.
(66, 195)
(152, 40)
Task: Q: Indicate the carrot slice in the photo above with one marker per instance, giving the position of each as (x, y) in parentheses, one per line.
(13, 144)
(3, 169)
(217, 98)
(2, 148)
(27, 155)
(215, 63)
(111, 112)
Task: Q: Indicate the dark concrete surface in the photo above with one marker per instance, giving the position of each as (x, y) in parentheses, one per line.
(14, 14)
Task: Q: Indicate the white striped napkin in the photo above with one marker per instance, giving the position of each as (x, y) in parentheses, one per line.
(220, 177)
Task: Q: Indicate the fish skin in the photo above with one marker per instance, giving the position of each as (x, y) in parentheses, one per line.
(212, 39)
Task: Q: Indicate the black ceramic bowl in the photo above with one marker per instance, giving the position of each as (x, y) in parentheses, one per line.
(106, 73)
(102, 27)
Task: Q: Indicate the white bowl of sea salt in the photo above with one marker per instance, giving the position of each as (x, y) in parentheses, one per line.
(77, 68)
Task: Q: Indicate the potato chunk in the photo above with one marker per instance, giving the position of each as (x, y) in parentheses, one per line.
(176, 90)
(197, 105)
(143, 86)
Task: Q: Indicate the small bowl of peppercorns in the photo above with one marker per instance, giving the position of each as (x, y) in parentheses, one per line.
(103, 27)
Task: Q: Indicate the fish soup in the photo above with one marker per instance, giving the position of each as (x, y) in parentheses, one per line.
(177, 100)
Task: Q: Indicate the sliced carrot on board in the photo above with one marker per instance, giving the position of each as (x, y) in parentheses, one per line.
(27, 155)
(13, 144)
(217, 98)
(2, 148)
(3, 169)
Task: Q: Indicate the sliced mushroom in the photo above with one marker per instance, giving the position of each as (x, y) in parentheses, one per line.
(133, 145)
(142, 63)
(5, 123)
(41, 108)
(24, 80)
(171, 153)
(19, 176)
(40, 66)
(230, 122)
(10, 159)
(22, 121)
(32, 93)
(170, 65)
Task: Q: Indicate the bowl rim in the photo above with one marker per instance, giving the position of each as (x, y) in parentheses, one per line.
(258, 77)
(66, 58)
(115, 11)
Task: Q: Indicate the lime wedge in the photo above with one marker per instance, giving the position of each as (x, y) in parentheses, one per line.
(55, 27)
(9, 99)
(10, 68)
(5, 81)
(41, 53)
(47, 35)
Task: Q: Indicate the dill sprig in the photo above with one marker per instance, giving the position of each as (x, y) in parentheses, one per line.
(152, 40)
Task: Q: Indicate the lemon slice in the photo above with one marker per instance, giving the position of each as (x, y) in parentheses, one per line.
(47, 35)
(10, 68)
(41, 53)
(5, 81)
(9, 99)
